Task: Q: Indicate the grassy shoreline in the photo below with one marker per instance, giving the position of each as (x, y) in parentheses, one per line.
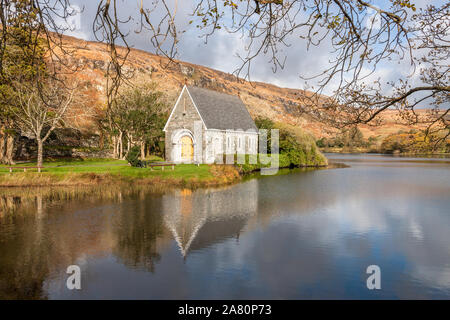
(108, 171)
(88, 172)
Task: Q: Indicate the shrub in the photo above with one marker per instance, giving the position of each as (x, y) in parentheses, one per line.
(296, 147)
(294, 158)
(415, 142)
(248, 167)
(133, 157)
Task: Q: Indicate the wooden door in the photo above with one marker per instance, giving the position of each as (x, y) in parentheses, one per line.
(187, 148)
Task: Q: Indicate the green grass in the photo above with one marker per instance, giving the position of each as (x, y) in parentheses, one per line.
(78, 163)
(93, 171)
(113, 166)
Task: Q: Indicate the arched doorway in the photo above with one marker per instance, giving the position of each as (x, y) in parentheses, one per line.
(187, 148)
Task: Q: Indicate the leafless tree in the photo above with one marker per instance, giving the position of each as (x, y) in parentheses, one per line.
(41, 110)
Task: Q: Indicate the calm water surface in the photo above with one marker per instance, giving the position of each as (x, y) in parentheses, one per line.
(307, 234)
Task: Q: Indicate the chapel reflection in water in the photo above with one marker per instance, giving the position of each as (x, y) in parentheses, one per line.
(202, 218)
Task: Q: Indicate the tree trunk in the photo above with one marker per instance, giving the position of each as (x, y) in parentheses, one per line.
(101, 142)
(142, 150)
(40, 152)
(9, 149)
(2, 147)
(120, 145)
(129, 142)
(114, 143)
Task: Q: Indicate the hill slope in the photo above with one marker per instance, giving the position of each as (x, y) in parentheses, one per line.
(261, 99)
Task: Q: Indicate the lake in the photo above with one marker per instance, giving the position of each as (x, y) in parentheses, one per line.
(309, 234)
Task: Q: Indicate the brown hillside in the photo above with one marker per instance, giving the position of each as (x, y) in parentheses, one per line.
(261, 99)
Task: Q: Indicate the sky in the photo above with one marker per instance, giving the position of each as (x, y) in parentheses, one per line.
(221, 50)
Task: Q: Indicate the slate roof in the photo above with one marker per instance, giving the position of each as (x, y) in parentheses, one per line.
(220, 110)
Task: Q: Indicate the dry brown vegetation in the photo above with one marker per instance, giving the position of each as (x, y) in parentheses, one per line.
(261, 99)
